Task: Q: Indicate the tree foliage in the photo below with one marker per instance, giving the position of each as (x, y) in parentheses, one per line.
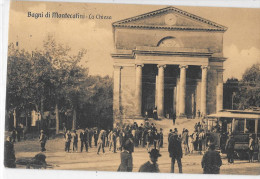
(53, 77)
(249, 88)
(244, 93)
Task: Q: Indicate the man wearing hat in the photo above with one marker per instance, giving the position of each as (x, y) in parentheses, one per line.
(126, 157)
(161, 138)
(43, 139)
(9, 154)
(211, 161)
(251, 147)
(230, 147)
(175, 151)
(151, 165)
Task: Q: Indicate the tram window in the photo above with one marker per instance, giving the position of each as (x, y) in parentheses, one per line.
(250, 125)
(240, 125)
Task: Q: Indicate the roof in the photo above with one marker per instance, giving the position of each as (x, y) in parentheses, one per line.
(207, 24)
(239, 114)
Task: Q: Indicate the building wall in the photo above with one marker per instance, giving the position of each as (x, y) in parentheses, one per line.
(131, 38)
(128, 91)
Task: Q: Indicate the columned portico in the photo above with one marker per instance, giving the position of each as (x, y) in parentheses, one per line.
(182, 89)
(203, 100)
(160, 100)
(191, 84)
(138, 89)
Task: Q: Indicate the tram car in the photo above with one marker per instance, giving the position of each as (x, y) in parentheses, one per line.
(239, 123)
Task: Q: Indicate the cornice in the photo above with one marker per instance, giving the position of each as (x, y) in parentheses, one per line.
(215, 26)
(156, 52)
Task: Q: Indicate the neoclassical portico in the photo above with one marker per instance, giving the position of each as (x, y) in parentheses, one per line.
(174, 66)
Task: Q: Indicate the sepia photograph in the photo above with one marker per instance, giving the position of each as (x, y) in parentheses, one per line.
(132, 88)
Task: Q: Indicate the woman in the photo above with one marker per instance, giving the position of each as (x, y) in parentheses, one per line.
(126, 158)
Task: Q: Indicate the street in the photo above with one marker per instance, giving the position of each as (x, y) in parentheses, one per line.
(60, 160)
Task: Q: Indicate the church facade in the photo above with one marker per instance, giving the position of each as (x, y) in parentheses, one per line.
(170, 60)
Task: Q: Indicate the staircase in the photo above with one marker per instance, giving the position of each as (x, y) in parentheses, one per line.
(180, 123)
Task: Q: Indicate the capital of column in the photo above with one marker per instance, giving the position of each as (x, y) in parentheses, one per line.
(183, 66)
(116, 67)
(204, 67)
(161, 66)
(220, 75)
(139, 65)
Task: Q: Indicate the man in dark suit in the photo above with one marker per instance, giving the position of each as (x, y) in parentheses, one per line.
(211, 161)
(230, 147)
(151, 166)
(126, 157)
(175, 151)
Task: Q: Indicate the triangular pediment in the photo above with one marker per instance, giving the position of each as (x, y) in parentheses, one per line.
(170, 18)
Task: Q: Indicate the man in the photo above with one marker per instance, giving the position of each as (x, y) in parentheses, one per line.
(156, 137)
(67, 141)
(151, 166)
(43, 139)
(75, 141)
(126, 157)
(161, 138)
(170, 134)
(101, 141)
(175, 151)
(96, 137)
(91, 133)
(155, 115)
(211, 161)
(230, 146)
(110, 139)
(84, 138)
(149, 140)
(251, 147)
(201, 137)
(185, 140)
(113, 137)
(9, 154)
(173, 118)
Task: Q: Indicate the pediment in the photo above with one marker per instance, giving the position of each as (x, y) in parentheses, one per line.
(170, 18)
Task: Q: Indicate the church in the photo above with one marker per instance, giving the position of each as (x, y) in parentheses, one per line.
(169, 60)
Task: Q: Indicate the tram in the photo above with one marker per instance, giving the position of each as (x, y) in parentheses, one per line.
(239, 123)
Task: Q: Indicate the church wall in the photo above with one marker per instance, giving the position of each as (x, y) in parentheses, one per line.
(128, 91)
(130, 38)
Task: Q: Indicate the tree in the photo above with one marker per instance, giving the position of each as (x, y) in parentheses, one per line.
(249, 88)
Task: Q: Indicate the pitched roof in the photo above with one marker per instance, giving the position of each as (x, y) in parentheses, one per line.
(130, 22)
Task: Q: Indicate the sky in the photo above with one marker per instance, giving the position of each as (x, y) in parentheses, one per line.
(241, 41)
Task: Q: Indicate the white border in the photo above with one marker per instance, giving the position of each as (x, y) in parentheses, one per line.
(43, 174)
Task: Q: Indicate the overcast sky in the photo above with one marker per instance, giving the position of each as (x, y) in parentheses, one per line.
(241, 40)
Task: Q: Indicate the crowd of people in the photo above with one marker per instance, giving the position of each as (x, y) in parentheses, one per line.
(146, 135)
(125, 138)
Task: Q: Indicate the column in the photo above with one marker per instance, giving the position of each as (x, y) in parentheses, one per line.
(219, 90)
(174, 98)
(117, 92)
(203, 95)
(138, 89)
(182, 90)
(160, 94)
(156, 90)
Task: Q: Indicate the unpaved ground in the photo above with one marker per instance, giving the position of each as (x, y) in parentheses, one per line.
(61, 160)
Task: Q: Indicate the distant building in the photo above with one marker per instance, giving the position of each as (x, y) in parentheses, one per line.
(170, 59)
